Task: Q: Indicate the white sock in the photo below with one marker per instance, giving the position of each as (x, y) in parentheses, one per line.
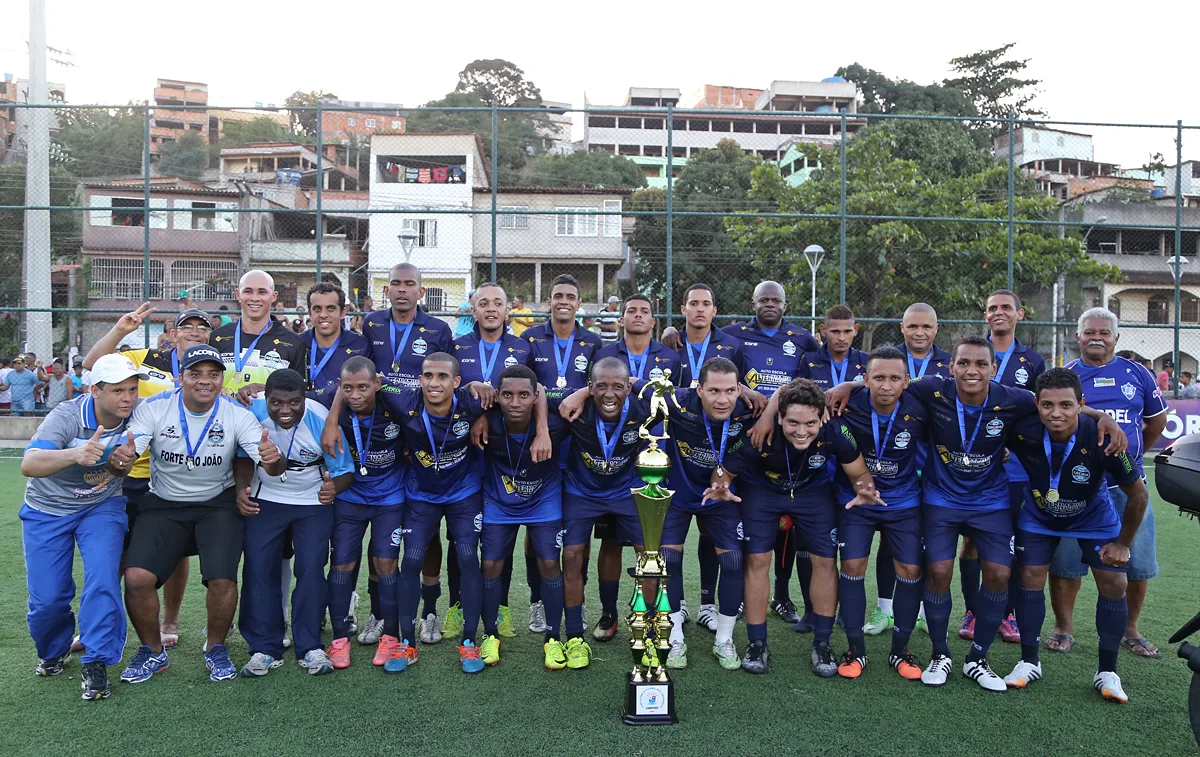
(676, 627)
(725, 624)
(885, 606)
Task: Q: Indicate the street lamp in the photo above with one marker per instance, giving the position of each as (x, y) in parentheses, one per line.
(814, 254)
(408, 238)
(1099, 221)
(1176, 265)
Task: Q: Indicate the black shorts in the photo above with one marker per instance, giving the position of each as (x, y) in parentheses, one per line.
(133, 489)
(166, 531)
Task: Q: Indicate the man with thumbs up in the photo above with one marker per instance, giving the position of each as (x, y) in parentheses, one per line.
(71, 498)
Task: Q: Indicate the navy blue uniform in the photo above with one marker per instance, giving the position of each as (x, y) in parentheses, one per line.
(1018, 368)
(376, 497)
(575, 355)
(399, 351)
(658, 357)
(782, 480)
(720, 344)
(485, 361)
(820, 367)
(323, 368)
(936, 363)
(771, 357)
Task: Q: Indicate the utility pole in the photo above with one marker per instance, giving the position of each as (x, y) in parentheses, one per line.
(39, 334)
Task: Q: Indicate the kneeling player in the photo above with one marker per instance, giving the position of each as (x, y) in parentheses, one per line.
(1076, 505)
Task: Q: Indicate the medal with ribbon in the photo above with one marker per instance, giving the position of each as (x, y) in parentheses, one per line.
(1052, 494)
(363, 449)
(187, 438)
(562, 358)
(609, 445)
(486, 365)
(695, 361)
(881, 445)
(315, 368)
(437, 451)
(962, 429)
(239, 357)
(398, 349)
(724, 438)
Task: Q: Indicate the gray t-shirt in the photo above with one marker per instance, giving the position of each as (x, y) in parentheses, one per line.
(77, 487)
(57, 391)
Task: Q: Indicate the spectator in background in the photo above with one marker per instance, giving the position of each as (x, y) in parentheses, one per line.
(1187, 386)
(466, 321)
(59, 388)
(164, 341)
(6, 394)
(610, 321)
(1165, 376)
(515, 320)
(356, 323)
(223, 316)
(21, 381)
(298, 325)
(80, 379)
(589, 323)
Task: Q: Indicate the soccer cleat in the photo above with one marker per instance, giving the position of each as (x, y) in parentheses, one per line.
(430, 633)
(51, 667)
(727, 655)
(371, 631)
(906, 665)
(220, 667)
(683, 610)
(489, 650)
(1023, 674)
(606, 629)
(852, 666)
(786, 610)
(981, 673)
(143, 665)
(287, 638)
(259, 665)
(453, 622)
(93, 679)
(385, 650)
(403, 658)
(537, 618)
(579, 654)
(470, 655)
(1009, 630)
(879, 622)
(316, 662)
(804, 624)
(968, 627)
(504, 626)
(937, 672)
(339, 653)
(1108, 683)
(677, 656)
(707, 617)
(755, 659)
(556, 655)
(824, 664)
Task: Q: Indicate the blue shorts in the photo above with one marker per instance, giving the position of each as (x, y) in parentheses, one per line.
(992, 531)
(814, 518)
(581, 513)
(350, 525)
(722, 521)
(1018, 492)
(498, 539)
(1039, 549)
(464, 520)
(1069, 560)
(606, 528)
(901, 528)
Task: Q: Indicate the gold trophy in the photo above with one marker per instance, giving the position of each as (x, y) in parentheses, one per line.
(650, 692)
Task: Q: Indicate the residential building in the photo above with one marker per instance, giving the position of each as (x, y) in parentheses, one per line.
(219, 118)
(272, 162)
(717, 96)
(1060, 162)
(1189, 182)
(170, 122)
(561, 127)
(14, 120)
(340, 126)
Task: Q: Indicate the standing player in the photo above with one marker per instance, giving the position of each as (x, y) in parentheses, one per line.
(71, 498)
(1074, 506)
(328, 344)
(256, 344)
(1128, 393)
(647, 357)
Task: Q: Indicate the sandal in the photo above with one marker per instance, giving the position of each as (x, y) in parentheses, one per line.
(169, 640)
(1059, 642)
(1133, 643)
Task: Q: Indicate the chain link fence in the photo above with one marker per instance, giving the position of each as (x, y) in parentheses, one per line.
(172, 203)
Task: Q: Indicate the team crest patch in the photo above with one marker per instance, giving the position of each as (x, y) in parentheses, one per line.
(1080, 474)
(995, 427)
(656, 373)
(902, 439)
(630, 436)
(1129, 390)
(216, 435)
(392, 430)
(789, 348)
(309, 455)
(816, 461)
(420, 347)
(1022, 376)
(478, 522)
(581, 363)
(510, 361)
(735, 429)
(396, 537)
(461, 428)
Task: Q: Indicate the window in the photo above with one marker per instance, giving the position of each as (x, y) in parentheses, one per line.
(435, 299)
(352, 121)
(204, 279)
(576, 222)
(514, 217)
(612, 224)
(397, 125)
(370, 123)
(1189, 310)
(206, 216)
(1156, 310)
(122, 279)
(426, 231)
(1114, 305)
(126, 211)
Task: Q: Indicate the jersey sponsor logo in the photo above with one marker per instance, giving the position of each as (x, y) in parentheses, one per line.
(478, 522)
(216, 435)
(816, 461)
(180, 458)
(833, 536)
(1129, 390)
(1101, 383)
(462, 428)
(963, 462)
(630, 436)
(170, 432)
(1012, 544)
(1080, 474)
(1022, 376)
(902, 439)
(420, 347)
(735, 429)
(397, 536)
(995, 427)
(581, 363)
(510, 361)
(606, 467)
(789, 348)
(1120, 415)
(392, 430)
(741, 531)
(884, 468)
(309, 455)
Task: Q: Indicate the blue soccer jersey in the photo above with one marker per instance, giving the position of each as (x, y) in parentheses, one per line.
(1019, 367)
(965, 469)
(697, 443)
(771, 357)
(891, 447)
(783, 469)
(649, 365)
(445, 467)
(485, 361)
(936, 363)
(1128, 393)
(516, 489)
(598, 472)
(376, 448)
(717, 344)
(323, 368)
(1080, 504)
(826, 373)
(561, 365)
(399, 350)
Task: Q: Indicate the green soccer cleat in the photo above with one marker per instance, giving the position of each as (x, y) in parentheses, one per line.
(489, 650)
(677, 656)
(504, 624)
(579, 654)
(727, 655)
(452, 624)
(556, 655)
(879, 622)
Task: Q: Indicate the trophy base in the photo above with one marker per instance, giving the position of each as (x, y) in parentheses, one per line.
(650, 703)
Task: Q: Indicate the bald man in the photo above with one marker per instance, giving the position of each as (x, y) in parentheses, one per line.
(255, 345)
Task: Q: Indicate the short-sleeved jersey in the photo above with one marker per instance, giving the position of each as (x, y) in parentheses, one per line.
(895, 461)
(1019, 367)
(693, 458)
(449, 468)
(306, 463)
(1128, 393)
(516, 489)
(1083, 506)
(21, 385)
(720, 344)
(783, 469)
(424, 336)
(589, 474)
(543, 345)
(323, 379)
(279, 347)
(657, 358)
(474, 355)
(936, 363)
(771, 357)
(158, 425)
(76, 487)
(163, 369)
(378, 449)
(819, 367)
(952, 476)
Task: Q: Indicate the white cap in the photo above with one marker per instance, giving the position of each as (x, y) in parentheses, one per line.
(115, 368)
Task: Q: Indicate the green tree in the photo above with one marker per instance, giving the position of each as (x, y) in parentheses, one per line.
(103, 142)
(994, 84)
(941, 149)
(883, 95)
(187, 157)
(261, 129)
(498, 81)
(305, 121)
(583, 169)
(521, 138)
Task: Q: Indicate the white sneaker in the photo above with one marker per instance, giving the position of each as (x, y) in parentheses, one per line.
(287, 638)
(431, 632)
(1024, 674)
(583, 612)
(371, 631)
(537, 617)
(707, 617)
(677, 656)
(683, 610)
(981, 673)
(316, 662)
(259, 665)
(937, 671)
(1108, 684)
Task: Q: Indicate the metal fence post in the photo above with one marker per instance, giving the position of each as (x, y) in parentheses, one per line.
(1012, 172)
(146, 217)
(670, 211)
(842, 220)
(319, 230)
(1178, 244)
(495, 180)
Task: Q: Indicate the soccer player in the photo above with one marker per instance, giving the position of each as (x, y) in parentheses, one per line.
(256, 344)
(777, 481)
(1128, 393)
(295, 506)
(1076, 505)
(193, 434)
(328, 344)
(647, 357)
(521, 487)
(71, 498)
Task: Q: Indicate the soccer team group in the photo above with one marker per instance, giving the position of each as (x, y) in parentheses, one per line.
(252, 446)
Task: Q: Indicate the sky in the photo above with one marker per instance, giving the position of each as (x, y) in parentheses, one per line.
(1096, 64)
